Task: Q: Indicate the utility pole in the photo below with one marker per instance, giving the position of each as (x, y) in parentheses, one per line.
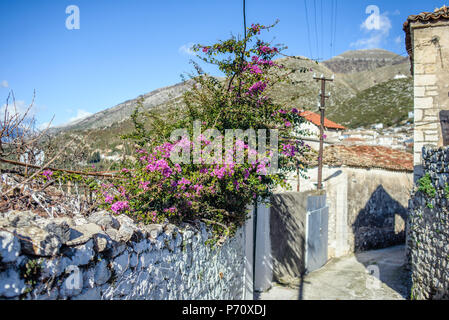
(322, 109)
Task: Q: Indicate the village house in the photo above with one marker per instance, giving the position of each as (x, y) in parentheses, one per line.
(332, 131)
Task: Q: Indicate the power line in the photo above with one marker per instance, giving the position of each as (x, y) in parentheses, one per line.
(316, 30)
(322, 32)
(332, 29)
(244, 18)
(308, 30)
(335, 27)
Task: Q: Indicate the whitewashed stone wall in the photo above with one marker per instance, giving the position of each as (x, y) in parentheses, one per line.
(105, 257)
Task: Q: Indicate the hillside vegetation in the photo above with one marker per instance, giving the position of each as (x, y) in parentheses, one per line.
(388, 103)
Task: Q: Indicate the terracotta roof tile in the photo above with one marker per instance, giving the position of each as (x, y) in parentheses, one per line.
(316, 119)
(368, 157)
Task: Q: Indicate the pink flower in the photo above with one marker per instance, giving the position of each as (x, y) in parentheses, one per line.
(108, 199)
(288, 124)
(184, 181)
(254, 69)
(161, 166)
(261, 168)
(256, 28)
(240, 145)
(154, 214)
(165, 149)
(171, 210)
(119, 206)
(257, 87)
(144, 185)
(266, 49)
(47, 174)
(289, 150)
(198, 188)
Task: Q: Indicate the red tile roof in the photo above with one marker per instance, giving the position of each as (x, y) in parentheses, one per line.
(368, 157)
(360, 156)
(316, 119)
(354, 140)
(425, 17)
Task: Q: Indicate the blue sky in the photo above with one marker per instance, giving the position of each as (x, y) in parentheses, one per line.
(124, 48)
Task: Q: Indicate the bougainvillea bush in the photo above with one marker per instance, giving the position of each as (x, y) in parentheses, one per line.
(157, 189)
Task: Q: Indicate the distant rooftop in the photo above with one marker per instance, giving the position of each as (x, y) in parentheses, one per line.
(368, 157)
(316, 119)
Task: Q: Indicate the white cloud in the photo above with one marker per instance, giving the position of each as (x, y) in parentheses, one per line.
(187, 49)
(80, 114)
(17, 107)
(4, 84)
(398, 40)
(378, 29)
(44, 125)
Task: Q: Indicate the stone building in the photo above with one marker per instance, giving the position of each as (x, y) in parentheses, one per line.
(427, 42)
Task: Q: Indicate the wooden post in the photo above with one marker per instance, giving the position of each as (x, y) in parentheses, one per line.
(322, 109)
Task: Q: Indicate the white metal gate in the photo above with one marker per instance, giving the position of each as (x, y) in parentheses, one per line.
(316, 233)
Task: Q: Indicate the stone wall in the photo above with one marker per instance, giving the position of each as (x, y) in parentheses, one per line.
(431, 83)
(106, 257)
(428, 230)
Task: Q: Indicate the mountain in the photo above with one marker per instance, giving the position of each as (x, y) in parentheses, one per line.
(388, 103)
(364, 60)
(303, 94)
(124, 110)
(363, 80)
(370, 86)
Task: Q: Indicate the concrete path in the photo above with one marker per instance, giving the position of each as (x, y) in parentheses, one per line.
(349, 278)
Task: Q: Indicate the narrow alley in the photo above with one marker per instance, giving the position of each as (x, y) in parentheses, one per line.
(354, 277)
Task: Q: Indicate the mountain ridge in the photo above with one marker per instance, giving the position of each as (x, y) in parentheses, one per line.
(364, 60)
(375, 66)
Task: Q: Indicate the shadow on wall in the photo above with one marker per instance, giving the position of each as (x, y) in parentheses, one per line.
(287, 233)
(380, 224)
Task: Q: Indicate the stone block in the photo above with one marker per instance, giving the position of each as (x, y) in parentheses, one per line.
(101, 273)
(424, 103)
(425, 80)
(11, 285)
(38, 242)
(9, 247)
